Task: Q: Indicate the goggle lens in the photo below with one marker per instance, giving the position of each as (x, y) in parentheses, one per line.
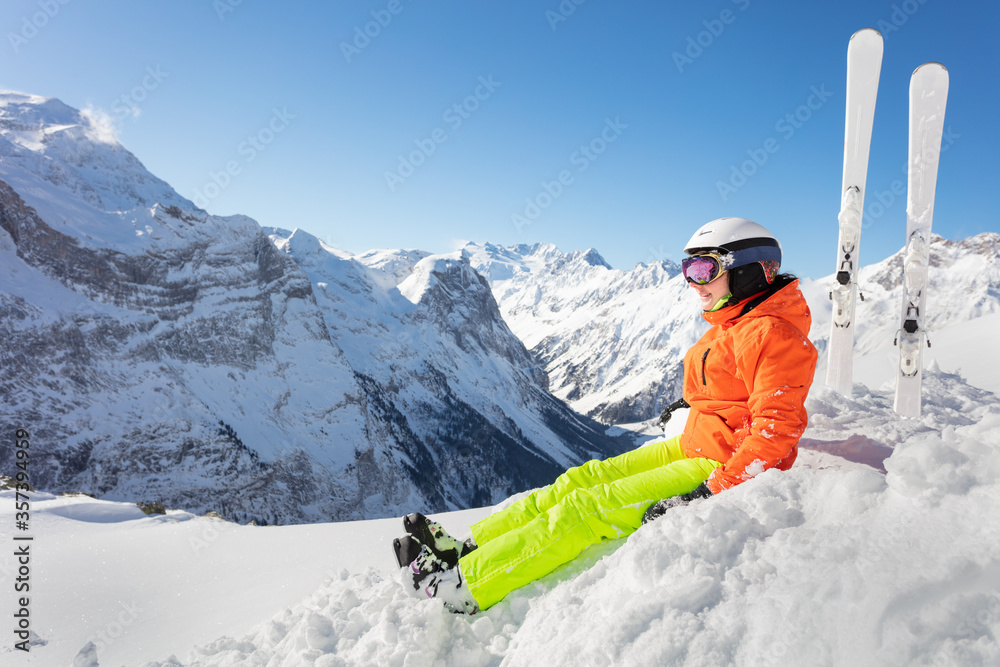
(701, 269)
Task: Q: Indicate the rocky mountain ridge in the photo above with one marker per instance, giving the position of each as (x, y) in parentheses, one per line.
(612, 341)
(157, 352)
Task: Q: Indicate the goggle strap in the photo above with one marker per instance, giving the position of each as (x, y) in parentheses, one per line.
(751, 255)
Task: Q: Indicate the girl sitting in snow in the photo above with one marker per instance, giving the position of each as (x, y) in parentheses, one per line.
(746, 382)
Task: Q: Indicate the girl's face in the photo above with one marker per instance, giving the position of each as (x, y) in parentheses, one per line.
(710, 294)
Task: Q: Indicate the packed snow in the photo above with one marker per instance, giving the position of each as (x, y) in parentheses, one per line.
(830, 563)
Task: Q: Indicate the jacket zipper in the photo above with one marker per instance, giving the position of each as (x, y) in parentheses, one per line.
(704, 358)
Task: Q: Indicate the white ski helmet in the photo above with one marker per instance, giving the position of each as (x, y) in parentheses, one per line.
(732, 234)
(747, 249)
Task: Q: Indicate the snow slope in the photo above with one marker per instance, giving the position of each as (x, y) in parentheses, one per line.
(829, 563)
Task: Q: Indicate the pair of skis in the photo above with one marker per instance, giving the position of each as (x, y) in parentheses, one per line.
(928, 96)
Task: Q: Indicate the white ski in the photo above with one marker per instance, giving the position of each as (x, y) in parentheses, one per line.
(864, 64)
(928, 97)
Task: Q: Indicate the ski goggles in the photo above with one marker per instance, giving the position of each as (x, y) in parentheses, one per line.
(702, 269)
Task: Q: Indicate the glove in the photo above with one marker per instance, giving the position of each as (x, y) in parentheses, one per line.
(701, 492)
(658, 509)
(668, 411)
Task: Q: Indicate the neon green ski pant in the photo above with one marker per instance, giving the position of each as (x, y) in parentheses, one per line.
(595, 501)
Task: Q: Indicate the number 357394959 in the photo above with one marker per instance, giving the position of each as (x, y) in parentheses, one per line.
(21, 477)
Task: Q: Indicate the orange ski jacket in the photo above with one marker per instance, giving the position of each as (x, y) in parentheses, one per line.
(746, 381)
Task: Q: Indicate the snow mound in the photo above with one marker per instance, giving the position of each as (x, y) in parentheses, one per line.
(828, 563)
(963, 460)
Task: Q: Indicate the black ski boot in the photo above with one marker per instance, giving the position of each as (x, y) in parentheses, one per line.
(432, 535)
(415, 575)
(429, 577)
(406, 548)
(658, 509)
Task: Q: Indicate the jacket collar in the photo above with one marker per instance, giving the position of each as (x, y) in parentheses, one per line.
(786, 302)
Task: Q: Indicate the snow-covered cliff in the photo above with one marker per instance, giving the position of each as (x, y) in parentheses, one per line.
(158, 352)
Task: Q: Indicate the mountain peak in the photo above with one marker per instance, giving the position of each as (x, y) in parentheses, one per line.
(428, 272)
(303, 244)
(47, 145)
(594, 258)
(37, 110)
(30, 121)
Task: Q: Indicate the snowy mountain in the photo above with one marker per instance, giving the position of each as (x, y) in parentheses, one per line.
(158, 352)
(435, 342)
(613, 341)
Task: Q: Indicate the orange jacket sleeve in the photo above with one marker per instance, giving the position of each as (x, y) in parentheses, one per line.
(777, 363)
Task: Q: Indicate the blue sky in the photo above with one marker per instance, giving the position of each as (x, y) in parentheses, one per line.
(421, 124)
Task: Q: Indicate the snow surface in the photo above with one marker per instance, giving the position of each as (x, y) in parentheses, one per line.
(829, 563)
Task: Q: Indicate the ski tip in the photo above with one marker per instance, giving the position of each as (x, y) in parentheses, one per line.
(867, 33)
(866, 43)
(930, 75)
(932, 65)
